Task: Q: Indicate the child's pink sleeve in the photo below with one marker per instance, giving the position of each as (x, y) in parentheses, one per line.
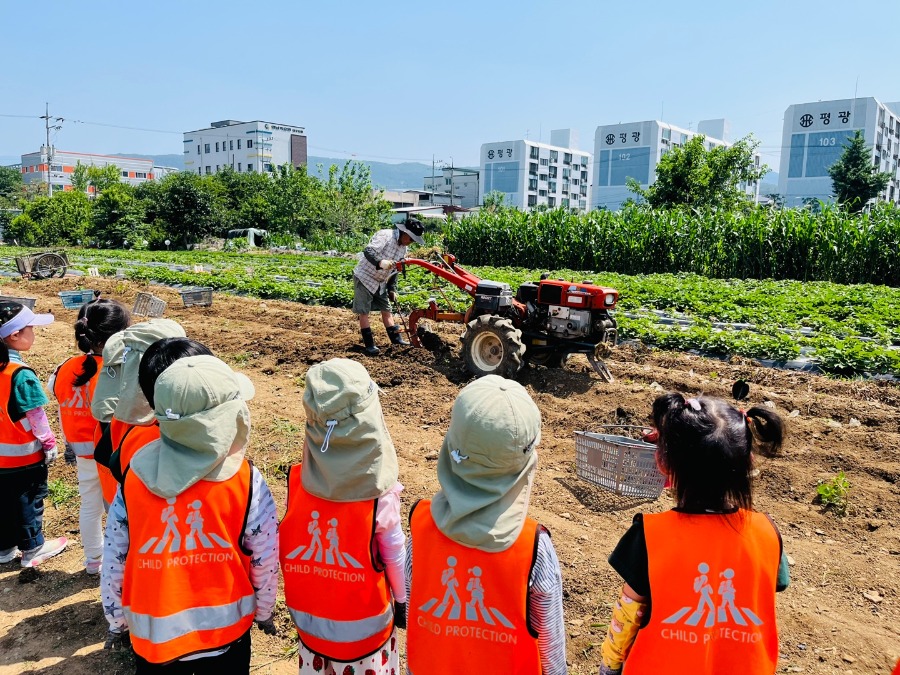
(391, 541)
(40, 427)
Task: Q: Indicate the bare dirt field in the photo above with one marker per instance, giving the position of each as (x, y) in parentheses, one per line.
(841, 613)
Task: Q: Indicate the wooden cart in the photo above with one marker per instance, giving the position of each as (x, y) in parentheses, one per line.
(43, 265)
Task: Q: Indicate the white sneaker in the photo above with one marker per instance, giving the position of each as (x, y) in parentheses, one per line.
(92, 567)
(9, 555)
(51, 547)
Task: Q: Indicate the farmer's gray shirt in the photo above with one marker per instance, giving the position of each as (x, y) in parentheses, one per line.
(386, 244)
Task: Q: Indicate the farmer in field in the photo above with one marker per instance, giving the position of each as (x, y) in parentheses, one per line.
(475, 534)
(191, 558)
(713, 601)
(375, 279)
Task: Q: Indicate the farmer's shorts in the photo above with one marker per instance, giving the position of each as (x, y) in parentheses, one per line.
(364, 301)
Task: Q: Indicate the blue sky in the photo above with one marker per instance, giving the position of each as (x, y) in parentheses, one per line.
(407, 80)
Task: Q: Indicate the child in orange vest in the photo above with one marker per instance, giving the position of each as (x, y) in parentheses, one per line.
(485, 584)
(191, 556)
(73, 383)
(709, 568)
(341, 542)
(27, 445)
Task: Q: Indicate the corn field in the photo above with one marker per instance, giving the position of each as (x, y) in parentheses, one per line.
(759, 243)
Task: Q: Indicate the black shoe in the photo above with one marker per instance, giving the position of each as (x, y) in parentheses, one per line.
(396, 337)
(369, 342)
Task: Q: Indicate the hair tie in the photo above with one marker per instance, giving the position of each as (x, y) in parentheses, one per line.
(746, 416)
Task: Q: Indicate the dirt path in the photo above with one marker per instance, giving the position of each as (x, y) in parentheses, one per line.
(841, 614)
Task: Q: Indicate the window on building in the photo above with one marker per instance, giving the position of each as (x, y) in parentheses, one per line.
(532, 184)
(217, 168)
(239, 144)
(56, 167)
(249, 143)
(553, 172)
(206, 148)
(532, 168)
(552, 186)
(544, 161)
(270, 168)
(231, 145)
(584, 160)
(198, 148)
(140, 174)
(667, 134)
(535, 152)
(543, 177)
(542, 193)
(239, 167)
(249, 166)
(208, 171)
(567, 158)
(199, 171)
(564, 203)
(124, 174)
(554, 155)
(567, 173)
(217, 146)
(551, 202)
(684, 139)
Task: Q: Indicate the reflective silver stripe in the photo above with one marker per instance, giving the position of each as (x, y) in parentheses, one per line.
(15, 450)
(161, 629)
(82, 448)
(341, 631)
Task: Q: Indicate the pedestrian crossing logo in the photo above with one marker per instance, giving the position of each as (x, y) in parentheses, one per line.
(171, 540)
(80, 399)
(452, 608)
(706, 610)
(315, 551)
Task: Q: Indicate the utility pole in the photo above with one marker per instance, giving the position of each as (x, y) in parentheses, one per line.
(451, 181)
(47, 128)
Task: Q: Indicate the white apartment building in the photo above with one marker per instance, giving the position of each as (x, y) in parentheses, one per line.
(244, 146)
(455, 186)
(814, 138)
(56, 167)
(530, 173)
(633, 149)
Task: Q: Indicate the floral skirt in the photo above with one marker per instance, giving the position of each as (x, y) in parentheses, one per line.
(386, 661)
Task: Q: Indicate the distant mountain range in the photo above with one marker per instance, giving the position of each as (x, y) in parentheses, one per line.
(405, 176)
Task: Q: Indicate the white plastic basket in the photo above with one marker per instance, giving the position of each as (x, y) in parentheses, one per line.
(619, 464)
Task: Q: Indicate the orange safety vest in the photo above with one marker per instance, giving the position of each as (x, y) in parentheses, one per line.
(75, 418)
(187, 578)
(713, 600)
(18, 446)
(468, 609)
(133, 439)
(335, 589)
(108, 482)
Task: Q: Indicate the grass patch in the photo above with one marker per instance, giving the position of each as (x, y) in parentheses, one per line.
(61, 492)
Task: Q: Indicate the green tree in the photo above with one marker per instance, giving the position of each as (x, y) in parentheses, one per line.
(80, 180)
(117, 217)
(101, 178)
(292, 196)
(854, 179)
(63, 218)
(493, 201)
(696, 177)
(346, 203)
(185, 206)
(10, 184)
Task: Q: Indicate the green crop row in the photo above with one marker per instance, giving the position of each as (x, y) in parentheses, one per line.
(758, 243)
(838, 314)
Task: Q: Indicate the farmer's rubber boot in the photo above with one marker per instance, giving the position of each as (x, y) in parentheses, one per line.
(397, 337)
(369, 341)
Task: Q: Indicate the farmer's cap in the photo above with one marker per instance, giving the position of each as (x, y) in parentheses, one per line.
(24, 317)
(413, 228)
(487, 463)
(204, 424)
(348, 454)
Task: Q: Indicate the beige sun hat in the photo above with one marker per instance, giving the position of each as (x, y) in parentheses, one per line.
(117, 383)
(486, 465)
(348, 454)
(204, 425)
